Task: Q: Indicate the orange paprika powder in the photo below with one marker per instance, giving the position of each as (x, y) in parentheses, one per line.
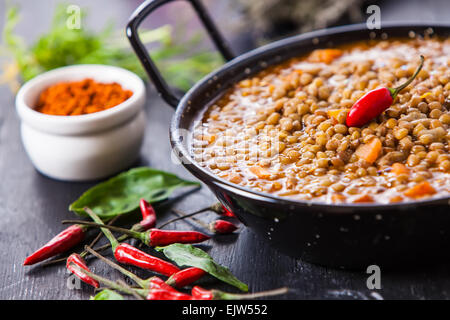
(81, 97)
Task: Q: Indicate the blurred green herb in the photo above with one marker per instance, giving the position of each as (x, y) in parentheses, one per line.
(182, 64)
(107, 294)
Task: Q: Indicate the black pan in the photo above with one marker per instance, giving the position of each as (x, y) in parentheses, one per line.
(346, 236)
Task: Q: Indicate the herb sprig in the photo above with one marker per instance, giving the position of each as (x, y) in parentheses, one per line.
(178, 56)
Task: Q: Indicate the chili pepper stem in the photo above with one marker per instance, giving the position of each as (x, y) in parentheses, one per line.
(216, 207)
(99, 236)
(232, 296)
(133, 292)
(183, 216)
(141, 282)
(394, 91)
(108, 245)
(109, 283)
(134, 234)
(108, 234)
(154, 237)
(55, 261)
(85, 254)
(189, 216)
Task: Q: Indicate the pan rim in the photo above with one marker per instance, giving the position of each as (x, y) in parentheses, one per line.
(207, 177)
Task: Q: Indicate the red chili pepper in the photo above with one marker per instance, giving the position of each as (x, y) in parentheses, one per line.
(158, 283)
(79, 261)
(217, 208)
(81, 270)
(222, 227)
(62, 242)
(127, 254)
(374, 102)
(228, 213)
(157, 237)
(148, 221)
(185, 277)
(148, 216)
(220, 209)
(161, 294)
(198, 293)
(149, 284)
(152, 237)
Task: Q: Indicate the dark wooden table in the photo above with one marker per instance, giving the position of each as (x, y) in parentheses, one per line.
(32, 206)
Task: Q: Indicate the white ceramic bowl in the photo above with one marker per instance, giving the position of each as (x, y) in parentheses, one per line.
(84, 147)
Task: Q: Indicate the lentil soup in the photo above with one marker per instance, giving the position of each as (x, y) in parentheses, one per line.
(283, 130)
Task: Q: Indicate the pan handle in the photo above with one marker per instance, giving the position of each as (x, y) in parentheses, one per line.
(140, 14)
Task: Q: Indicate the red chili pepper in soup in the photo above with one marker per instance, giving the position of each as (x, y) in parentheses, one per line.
(375, 102)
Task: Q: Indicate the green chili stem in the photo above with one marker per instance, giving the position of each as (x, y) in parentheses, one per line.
(107, 245)
(108, 233)
(133, 292)
(99, 236)
(109, 283)
(135, 278)
(394, 91)
(134, 234)
(85, 253)
(93, 243)
(232, 296)
(182, 216)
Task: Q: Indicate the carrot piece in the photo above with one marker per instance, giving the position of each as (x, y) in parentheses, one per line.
(334, 113)
(395, 199)
(399, 168)
(369, 151)
(420, 190)
(235, 178)
(337, 197)
(261, 172)
(363, 198)
(325, 55)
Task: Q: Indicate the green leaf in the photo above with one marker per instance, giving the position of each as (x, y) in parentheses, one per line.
(188, 255)
(121, 194)
(107, 294)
